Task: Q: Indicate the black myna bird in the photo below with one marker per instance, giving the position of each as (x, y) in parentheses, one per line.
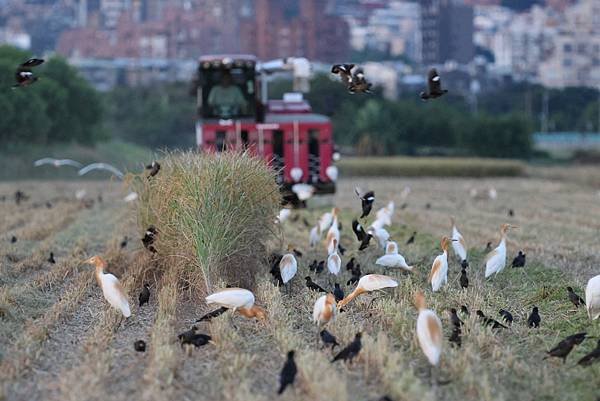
(464, 280)
(574, 298)
(338, 293)
(144, 295)
(139, 346)
(455, 337)
(123, 243)
(359, 83)
(591, 357)
(344, 71)
(534, 318)
(366, 201)
(434, 86)
(454, 319)
(23, 75)
(519, 260)
(412, 238)
(363, 237)
(351, 350)
(154, 168)
(328, 339)
(288, 373)
(191, 337)
(564, 348)
(51, 258)
(506, 315)
(311, 285)
(488, 321)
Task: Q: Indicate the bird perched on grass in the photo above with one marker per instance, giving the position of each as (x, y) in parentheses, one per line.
(351, 350)
(495, 261)
(338, 293)
(458, 244)
(592, 297)
(139, 346)
(434, 86)
(411, 239)
(211, 315)
(192, 337)
(429, 330)
(369, 283)
(24, 76)
(519, 260)
(454, 319)
(154, 168)
(506, 315)
(288, 266)
(464, 280)
(361, 235)
(238, 299)
(111, 287)
(464, 310)
(149, 238)
(574, 298)
(564, 348)
(144, 295)
(123, 243)
(334, 262)
(392, 258)
(439, 269)
(333, 233)
(344, 71)
(366, 201)
(51, 258)
(328, 339)
(288, 373)
(311, 285)
(455, 337)
(592, 357)
(488, 321)
(324, 310)
(534, 318)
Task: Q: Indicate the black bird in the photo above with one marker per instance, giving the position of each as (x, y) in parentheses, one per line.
(564, 348)
(149, 238)
(464, 264)
(488, 247)
(144, 295)
(51, 258)
(488, 321)
(288, 373)
(211, 315)
(297, 253)
(428, 206)
(154, 168)
(412, 238)
(506, 315)
(359, 83)
(366, 203)
(574, 298)
(344, 71)
(338, 293)
(464, 280)
(275, 271)
(534, 318)
(592, 357)
(350, 264)
(123, 243)
(139, 346)
(465, 310)
(328, 339)
(193, 338)
(434, 86)
(49, 205)
(454, 319)
(350, 351)
(511, 213)
(455, 337)
(311, 285)
(20, 196)
(320, 267)
(24, 76)
(13, 239)
(313, 265)
(519, 260)
(341, 249)
(363, 237)
(403, 206)
(353, 280)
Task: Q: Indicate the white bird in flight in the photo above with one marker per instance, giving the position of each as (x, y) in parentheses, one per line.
(101, 166)
(57, 162)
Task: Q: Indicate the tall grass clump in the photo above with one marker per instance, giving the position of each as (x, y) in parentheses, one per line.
(214, 213)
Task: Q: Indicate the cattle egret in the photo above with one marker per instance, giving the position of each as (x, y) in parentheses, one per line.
(238, 299)
(333, 233)
(101, 166)
(325, 221)
(111, 288)
(439, 270)
(369, 283)
(458, 245)
(495, 261)
(381, 234)
(334, 262)
(429, 331)
(288, 266)
(592, 297)
(57, 162)
(283, 215)
(325, 310)
(392, 258)
(314, 236)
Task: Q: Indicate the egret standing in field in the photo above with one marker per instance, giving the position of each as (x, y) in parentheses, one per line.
(392, 258)
(314, 236)
(288, 266)
(111, 287)
(325, 310)
(439, 270)
(369, 283)
(458, 244)
(429, 331)
(334, 262)
(238, 299)
(495, 261)
(592, 297)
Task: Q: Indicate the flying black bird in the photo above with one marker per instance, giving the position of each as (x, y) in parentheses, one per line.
(434, 86)
(412, 238)
(359, 83)
(210, 315)
(24, 76)
(519, 260)
(366, 201)
(338, 293)
(350, 264)
(144, 295)
(13, 239)
(350, 351)
(488, 247)
(454, 319)
(363, 237)
(311, 285)
(139, 346)
(154, 168)
(564, 348)
(455, 337)
(465, 310)
(328, 339)
(574, 298)
(464, 264)
(123, 243)
(488, 321)
(464, 280)
(344, 71)
(592, 357)
(506, 315)
(534, 318)
(193, 338)
(51, 258)
(288, 373)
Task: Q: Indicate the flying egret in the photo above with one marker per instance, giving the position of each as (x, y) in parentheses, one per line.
(495, 261)
(392, 258)
(111, 287)
(101, 166)
(429, 331)
(334, 262)
(459, 245)
(57, 162)
(369, 283)
(592, 297)
(238, 299)
(439, 269)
